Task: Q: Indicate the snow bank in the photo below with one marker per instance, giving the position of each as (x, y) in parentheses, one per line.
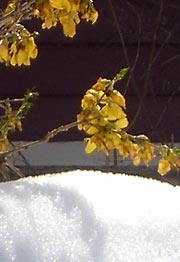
(86, 216)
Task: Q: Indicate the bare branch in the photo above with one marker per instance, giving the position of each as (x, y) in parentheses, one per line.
(21, 12)
(43, 140)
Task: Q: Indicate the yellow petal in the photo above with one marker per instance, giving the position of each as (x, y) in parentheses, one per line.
(101, 84)
(69, 26)
(92, 130)
(118, 98)
(94, 16)
(60, 4)
(90, 147)
(137, 160)
(123, 151)
(116, 138)
(13, 60)
(21, 57)
(4, 54)
(90, 16)
(121, 123)
(164, 166)
(4, 143)
(113, 112)
(100, 122)
(19, 125)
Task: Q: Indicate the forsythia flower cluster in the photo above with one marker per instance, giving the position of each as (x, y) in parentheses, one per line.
(103, 119)
(18, 49)
(67, 12)
(141, 150)
(17, 45)
(102, 116)
(168, 160)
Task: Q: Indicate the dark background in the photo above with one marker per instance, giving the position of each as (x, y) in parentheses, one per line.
(144, 35)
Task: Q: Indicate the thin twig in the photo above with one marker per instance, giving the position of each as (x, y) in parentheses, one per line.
(43, 140)
(138, 46)
(145, 86)
(21, 12)
(14, 100)
(14, 169)
(164, 109)
(24, 159)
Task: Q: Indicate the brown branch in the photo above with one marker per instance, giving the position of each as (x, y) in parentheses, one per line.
(43, 140)
(14, 100)
(14, 169)
(24, 160)
(21, 12)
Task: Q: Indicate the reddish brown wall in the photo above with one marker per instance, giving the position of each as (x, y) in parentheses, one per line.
(65, 68)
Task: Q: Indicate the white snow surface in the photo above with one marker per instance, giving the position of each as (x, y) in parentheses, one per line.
(87, 216)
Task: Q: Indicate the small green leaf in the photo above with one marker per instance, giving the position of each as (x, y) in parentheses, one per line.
(177, 151)
(122, 73)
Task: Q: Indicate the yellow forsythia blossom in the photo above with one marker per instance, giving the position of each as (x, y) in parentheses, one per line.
(128, 149)
(61, 4)
(90, 147)
(18, 51)
(163, 166)
(67, 12)
(118, 98)
(113, 112)
(4, 143)
(148, 152)
(102, 116)
(103, 120)
(167, 162)
(101, 84)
